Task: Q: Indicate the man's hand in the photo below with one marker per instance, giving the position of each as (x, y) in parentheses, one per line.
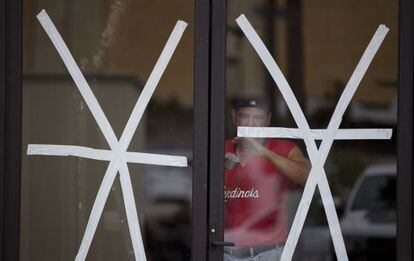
(295, 166)
(251, 146)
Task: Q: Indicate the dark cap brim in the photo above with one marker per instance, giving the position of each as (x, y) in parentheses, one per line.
(253, 103)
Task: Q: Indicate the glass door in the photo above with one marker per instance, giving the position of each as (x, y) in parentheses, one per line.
(309, 159)
(107, 130)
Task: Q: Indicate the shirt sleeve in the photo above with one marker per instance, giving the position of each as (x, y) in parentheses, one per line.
(284, 147)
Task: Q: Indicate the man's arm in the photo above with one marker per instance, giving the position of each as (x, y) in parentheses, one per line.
(296, 167)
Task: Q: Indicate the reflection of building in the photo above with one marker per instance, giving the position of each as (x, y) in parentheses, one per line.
(333, 44)
(121, 37)
(109, 37)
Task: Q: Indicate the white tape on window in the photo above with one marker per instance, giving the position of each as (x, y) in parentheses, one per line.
(69, 150)
(317, 134)
(317, 157)
(118, 156)
(106, 155)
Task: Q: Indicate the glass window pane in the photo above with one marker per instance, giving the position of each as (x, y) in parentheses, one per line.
(116, 44)
(317, 46)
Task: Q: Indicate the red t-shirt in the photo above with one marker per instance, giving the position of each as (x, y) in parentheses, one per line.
(255, 199)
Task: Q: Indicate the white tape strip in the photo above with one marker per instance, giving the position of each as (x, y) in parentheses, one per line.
(317, 163)
(131, 213)
(278, 77)
(317, 134)
(78, 78)
(152, 82)
(69, 150)
(156, 159)
(106, 155)
(97, 209)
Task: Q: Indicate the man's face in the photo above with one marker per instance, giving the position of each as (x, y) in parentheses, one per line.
(251, 117)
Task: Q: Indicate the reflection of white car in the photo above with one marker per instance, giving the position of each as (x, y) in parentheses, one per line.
(369, 221)
(165, 183)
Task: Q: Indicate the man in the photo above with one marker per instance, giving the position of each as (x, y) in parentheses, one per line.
(259, 173)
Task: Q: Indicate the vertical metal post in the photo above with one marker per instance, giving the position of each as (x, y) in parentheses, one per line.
(201, 131)
(217, 123)
(11, 128)
(2, 113)
(405, 196)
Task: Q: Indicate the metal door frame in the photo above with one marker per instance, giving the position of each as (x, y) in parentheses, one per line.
(405, 132)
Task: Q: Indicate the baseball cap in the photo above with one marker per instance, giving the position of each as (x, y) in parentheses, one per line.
(261, 103)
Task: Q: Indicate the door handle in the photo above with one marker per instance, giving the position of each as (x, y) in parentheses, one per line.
(222, 243)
